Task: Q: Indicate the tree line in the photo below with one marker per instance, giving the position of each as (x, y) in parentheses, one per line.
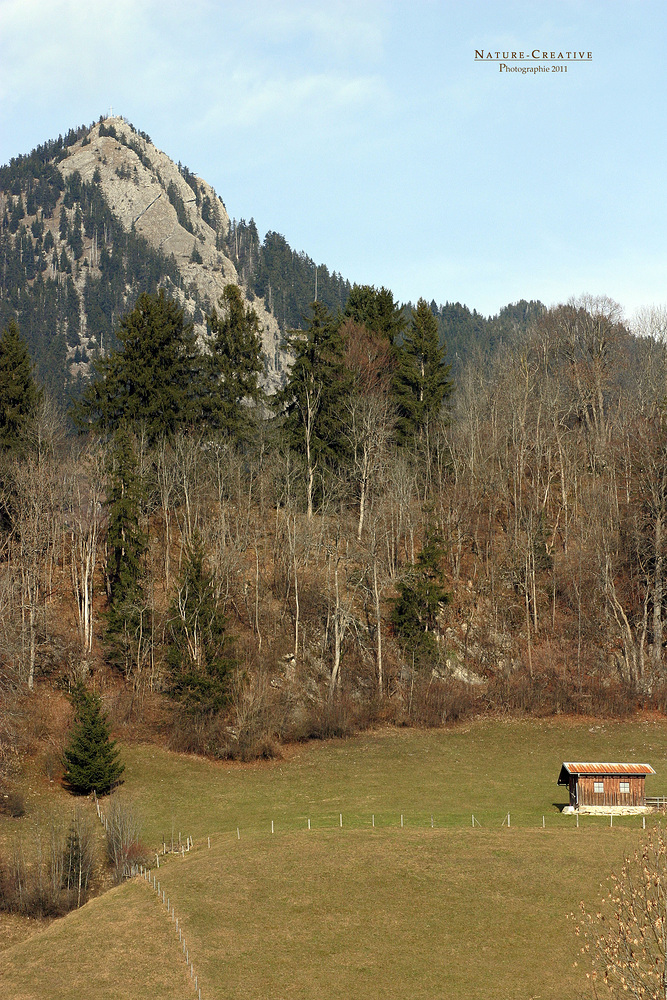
(408, 550)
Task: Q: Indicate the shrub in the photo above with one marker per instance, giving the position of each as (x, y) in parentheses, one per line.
(124, 848)
(12, 804)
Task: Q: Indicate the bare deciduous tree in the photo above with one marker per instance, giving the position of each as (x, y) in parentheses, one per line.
(626, 938)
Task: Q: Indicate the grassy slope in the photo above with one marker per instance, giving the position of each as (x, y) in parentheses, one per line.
(391, 913)
(362, 912)
(120, 946)
(486, 769)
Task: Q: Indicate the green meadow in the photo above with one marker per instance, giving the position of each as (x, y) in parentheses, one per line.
(360, 911)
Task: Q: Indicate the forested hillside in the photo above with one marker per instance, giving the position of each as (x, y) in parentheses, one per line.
(375, 543)
(433, 513)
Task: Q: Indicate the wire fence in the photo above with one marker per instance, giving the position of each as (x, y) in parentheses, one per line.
(179, 847)
(151, 879)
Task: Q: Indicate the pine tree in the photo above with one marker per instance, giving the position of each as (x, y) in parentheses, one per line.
(151, 382)
(415, 612)
(376, 310)
(199, 652)
(311, 398)
(234, 364)
(90, 758)
(19, 396)
(126, 543)
(422, 383)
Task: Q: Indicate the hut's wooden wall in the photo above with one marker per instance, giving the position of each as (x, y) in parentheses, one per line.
(612, 795)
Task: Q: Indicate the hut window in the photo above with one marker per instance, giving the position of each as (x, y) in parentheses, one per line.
(598, 787)
(624, 787)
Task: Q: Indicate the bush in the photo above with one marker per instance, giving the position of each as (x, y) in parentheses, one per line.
(124, 848)
(12, 804)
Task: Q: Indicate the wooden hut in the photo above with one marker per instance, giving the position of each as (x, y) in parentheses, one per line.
(605, 785)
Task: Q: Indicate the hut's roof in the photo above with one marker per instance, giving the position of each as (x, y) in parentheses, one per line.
(602, 768)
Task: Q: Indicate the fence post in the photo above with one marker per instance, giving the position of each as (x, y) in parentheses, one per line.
(508, 820)
(238, 833)
(577, 821)
(271, 826)
(401, 821)
(340, 819)
(431, 822)
(373, 820)
(643, 822)
(309, 822)
(611, 819)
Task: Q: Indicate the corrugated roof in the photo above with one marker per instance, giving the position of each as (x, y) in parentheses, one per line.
(607, 768)
(600, 767)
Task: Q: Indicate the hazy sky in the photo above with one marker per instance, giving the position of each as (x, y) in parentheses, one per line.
(366, 133)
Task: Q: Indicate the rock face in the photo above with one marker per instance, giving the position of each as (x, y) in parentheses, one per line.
(147, 191)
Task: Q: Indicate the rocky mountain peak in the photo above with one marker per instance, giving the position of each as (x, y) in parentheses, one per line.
(176, 212)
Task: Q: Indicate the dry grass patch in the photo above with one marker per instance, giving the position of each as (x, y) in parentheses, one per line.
(120, 945)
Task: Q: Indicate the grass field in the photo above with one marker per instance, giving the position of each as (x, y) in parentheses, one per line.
(359, 912)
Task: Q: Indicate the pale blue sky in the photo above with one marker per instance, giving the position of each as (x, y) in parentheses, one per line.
(366, 133)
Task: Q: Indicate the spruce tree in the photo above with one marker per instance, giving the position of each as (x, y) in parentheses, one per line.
(199, 654)
(233, 366)
(126, 544)
(311, 398)
(19, 396)
(415, 612)
(422, 383)
(376, 310)
(151, 383)
(90, 757)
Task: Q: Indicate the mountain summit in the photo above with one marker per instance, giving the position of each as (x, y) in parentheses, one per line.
(178, 214)
(90, 221)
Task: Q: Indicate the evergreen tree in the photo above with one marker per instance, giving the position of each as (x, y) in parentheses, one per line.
(311, 398)
(199, 654)
(126, 544)
(90, 757)
(415, 612)
(75, 238)
(195, 256)
(19, 396)
(64, 223)
(149, 382)
(422, 383)
(234, 364)
(376, 310)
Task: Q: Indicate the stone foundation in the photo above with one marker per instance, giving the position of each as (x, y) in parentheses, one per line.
(608, 810)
